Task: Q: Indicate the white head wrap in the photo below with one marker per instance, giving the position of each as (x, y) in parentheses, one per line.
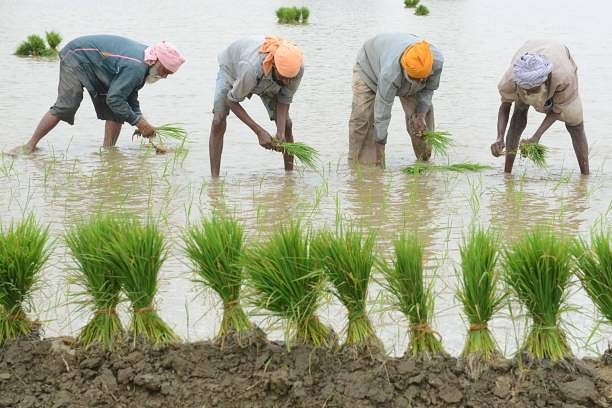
(531, 70)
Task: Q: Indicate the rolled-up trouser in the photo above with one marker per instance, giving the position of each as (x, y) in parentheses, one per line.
(362, 145)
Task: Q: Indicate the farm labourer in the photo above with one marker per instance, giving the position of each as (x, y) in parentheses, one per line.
(272, 69)
(542, 75)
(112, 69)
(390, 65)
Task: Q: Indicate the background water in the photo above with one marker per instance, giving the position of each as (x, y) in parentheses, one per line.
(69, 177)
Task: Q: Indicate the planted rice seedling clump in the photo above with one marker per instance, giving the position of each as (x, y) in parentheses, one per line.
(480, 295)
(35, 46)
(535, 152)
(347, 259)
(287, 283)
(411, 3)
(23, 252)
(440, 141)
(421, 10)
(215, 248)
(53, 39)
(404, 280)
(538, 270)
(136, 253)
(308, 155)
(420, 168)
(100, 285)
(292, 15)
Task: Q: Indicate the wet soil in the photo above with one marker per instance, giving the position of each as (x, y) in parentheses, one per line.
(55, 373)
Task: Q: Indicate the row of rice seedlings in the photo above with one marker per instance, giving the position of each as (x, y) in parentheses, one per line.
(420, 167)
(404, 281)
(537, 268)
(23, 252)
(480, 295)
(439, 141)
(292, 15)
(215, 248)
(100, 286)
(594, 269)
(287, 283)
(35, 45)
(307, 155)
(535, 152)
(347, 257)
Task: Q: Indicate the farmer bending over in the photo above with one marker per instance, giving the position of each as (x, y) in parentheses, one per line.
(271, 69)
(390, 65)
(112, 69)
(543, 75)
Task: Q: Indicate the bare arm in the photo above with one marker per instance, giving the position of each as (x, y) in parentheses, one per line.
(282, 112)
(263, 136)
(497, 148)
(547, 122)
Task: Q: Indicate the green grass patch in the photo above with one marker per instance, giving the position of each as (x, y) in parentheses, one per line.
(23, 252)
(537, 268)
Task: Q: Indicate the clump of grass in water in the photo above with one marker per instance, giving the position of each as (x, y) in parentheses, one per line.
(535, 152)
(87, 243)
(308, 155)
(292, 15)
(404, 280)
(215, 249)
(347, 259)
(537, 269)
(411, 3)
(594, 269)
(421, 10)
(420, 168)
(35, 46)
(135, 253)
(287, 283)
(23, 253)
(53, 39)
(480, 296)
(439, 141)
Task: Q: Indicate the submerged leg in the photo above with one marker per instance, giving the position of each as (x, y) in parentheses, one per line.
(581, 146)
(287, 158)
(215, 142)
(111, 133)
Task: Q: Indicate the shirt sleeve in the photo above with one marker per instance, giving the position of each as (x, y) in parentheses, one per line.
(244, 84)
(383, 102)
(122, 88)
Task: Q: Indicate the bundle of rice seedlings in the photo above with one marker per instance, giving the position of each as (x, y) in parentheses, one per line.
(308, 155)
(87, 242)
(411, 3)
(417, 168)
(535, 152)
(23, 253)
(404, 280)
(421, 10)
(479, 294)
(420, 168)
(439, 141)
(215, 249)
(34, 46)
(594, 269)
(53, 39)
(136, 253)
(347, 259)
(287, 283)
(538, 270)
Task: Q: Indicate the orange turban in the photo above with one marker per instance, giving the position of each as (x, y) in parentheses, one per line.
(417, 60)
(285, 56)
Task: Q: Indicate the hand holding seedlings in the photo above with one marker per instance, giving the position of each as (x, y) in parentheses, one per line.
(145, 128)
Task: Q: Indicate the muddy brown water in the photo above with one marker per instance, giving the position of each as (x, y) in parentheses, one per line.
(68, 177)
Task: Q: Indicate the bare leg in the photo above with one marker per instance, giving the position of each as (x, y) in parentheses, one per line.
(581, 146)
(111, 133)
(517, 126)
(46, 124)
(215, 142)
(287, 158)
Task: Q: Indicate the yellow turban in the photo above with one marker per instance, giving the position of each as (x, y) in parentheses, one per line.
(417, 60)
(285, 56)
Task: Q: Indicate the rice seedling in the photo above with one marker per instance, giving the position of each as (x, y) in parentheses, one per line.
(347, 259)
(215, 249)
(404, 281)
(304, 14)
(136, 253)
(308, 155)
(479, 294)
(538, 270)
(34, 46)
(292, 15)
(23, 253)
(53, 39)
(163, 133)
(439, 141)
(420, 168)
(286, 282)
(594, 269)
(535, 152)
(417, 168)
(421, 10)
(411, 3)
(99, 284)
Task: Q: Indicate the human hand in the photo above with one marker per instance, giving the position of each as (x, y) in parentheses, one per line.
(145, 128)
(497, 148)
(380, 155)
(265, 140)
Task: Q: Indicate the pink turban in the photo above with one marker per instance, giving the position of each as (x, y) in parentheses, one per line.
(166, 53)
(285, 56)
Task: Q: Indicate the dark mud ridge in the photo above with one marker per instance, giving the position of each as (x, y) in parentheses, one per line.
(52, 373)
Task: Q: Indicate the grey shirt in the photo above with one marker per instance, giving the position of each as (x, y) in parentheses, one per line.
(241, 63)
(378, 61)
